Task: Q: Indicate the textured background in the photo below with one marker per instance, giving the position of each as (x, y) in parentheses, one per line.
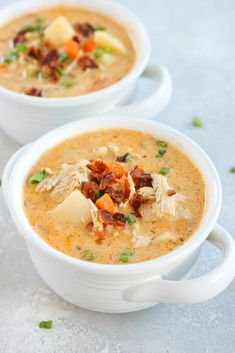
(195, 40)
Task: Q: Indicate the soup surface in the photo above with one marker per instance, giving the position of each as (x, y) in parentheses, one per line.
(114, 196)
(63, 51)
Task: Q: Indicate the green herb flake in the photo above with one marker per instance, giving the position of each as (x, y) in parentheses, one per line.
(37, 177)
(63, 57)
(98, 52)
(232, 169)
(160, 153)
(164, 171)
(99, 194)
(130, 219)
(21, 47)
(40, 20)
(46, 324)
(100, 28)
(161, 144)
(10, 57)
(59, 70)
(88, 255)
(197, 122)
(125, 256)
(127, 158)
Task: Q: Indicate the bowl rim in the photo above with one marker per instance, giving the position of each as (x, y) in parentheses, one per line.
(57, 135)
(142, 58)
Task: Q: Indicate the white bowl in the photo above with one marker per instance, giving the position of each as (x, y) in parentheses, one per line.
(25, 118)
(123, 288)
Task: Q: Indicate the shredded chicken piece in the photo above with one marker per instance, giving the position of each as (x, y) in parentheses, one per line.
(132, 191)
(166, 236)
(95, 218)
(62, 184)
(139, 239)
(113, 148)
(147, 192)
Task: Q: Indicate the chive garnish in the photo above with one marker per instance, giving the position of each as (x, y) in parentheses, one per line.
(197, 121)
(21, 47)
(46, 324)
(99, 194)
(68, 83)
(232, 169)
(100, 28)
(63, 57)
(160, 153)
(164, 171)
(125, 256)
(59, 70)
(10, 57)
(130, 218)
(88, 255)
(37, 177)
(98, 52)
(161, 143)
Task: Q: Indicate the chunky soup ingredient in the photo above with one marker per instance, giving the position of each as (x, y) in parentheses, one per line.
(104, 197)
(232, 169)
(197, 121)
(46, 324)
(63, 51)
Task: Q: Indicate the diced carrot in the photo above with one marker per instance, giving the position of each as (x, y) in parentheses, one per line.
(117, 169)
(89, 45)
(105, 203)
(99, 235)
(71, 48)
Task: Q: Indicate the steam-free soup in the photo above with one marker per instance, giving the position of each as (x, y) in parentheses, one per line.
(114, 196)
(63, 51)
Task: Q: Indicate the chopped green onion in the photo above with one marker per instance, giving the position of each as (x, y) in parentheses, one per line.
(98, 52)
(88, 255)
(21, 47)
(160, 153)
(197, 122)
(125, 256)
(31, 28)
(59, 70)
(161, 143)
(37, 177)
(164, 171)
(10, 57)
(232, 170)
(99, 194)
(63, 57)
(127, 158)
(40, 20)
(46, 324)
(130, 218)
(68, 83)
(100, 28)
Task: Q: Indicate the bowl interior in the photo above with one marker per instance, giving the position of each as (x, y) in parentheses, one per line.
(182, 142)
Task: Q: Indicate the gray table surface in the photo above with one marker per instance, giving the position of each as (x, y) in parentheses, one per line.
(195, 40)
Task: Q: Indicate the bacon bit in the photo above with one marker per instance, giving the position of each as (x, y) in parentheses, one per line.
(127, 188)
(20, 36)
(119, 219)
(35, 53)
(89, 189)
(117, 169)
(136, 201)
(171, 192)
(117, 190)
(105, 217)
(87, 63)
(33, 91)
(122, 158)
(84, 28)
(76, 39)
(90, 226)
(54, 76)
(106, 180)
(52, 55)
(99, 235)
(140, 178)
(97, 166)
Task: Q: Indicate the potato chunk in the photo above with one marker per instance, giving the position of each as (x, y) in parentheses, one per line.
(59, 31)
(106, 40)
(74, 208)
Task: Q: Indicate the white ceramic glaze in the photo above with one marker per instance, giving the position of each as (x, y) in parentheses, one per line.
(123, 288)
(25, 118)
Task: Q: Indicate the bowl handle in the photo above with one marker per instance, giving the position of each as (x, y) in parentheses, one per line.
(152, 105)
(193, 290)
(8, 170)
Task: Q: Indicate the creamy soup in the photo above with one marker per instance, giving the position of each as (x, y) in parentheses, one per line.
(114, 196)
(63, 51)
